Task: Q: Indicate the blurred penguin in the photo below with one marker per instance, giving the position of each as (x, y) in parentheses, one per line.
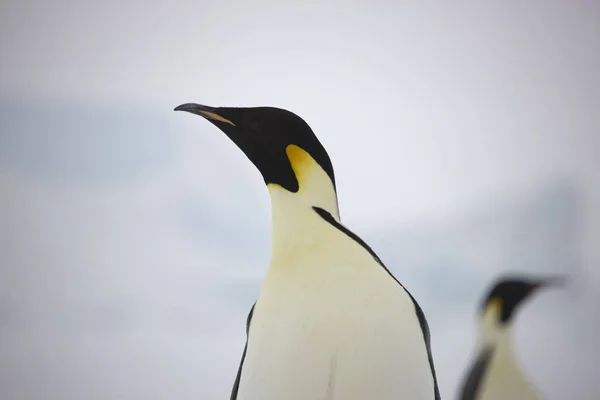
(495, 373)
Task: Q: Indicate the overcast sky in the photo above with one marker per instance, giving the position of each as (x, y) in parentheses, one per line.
(134, 239)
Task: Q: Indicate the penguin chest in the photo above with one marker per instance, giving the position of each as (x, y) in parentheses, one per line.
(335, 332)
(505, 380)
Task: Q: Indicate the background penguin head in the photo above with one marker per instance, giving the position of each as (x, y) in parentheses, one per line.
(505, 297)
(278, 142)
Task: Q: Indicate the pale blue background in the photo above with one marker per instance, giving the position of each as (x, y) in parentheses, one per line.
(133, 239)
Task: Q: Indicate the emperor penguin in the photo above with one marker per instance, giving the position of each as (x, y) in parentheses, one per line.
(330, 322)
(495, 373)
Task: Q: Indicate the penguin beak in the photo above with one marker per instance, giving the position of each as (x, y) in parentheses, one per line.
(555, 281)
(223, 118)
(207, 112)
(546, 283)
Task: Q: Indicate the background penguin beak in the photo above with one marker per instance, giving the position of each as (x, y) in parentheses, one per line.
(555, 281)
(203, 111)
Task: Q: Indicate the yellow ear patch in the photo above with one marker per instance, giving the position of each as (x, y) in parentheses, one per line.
(494, 307)
(300, 161)
(216, 117)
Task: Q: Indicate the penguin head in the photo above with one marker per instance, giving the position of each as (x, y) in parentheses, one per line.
(508, 294)
(281, 145)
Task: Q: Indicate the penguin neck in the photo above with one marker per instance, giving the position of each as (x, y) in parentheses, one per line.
(507, 365)
(295, 224)
(493, 333)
